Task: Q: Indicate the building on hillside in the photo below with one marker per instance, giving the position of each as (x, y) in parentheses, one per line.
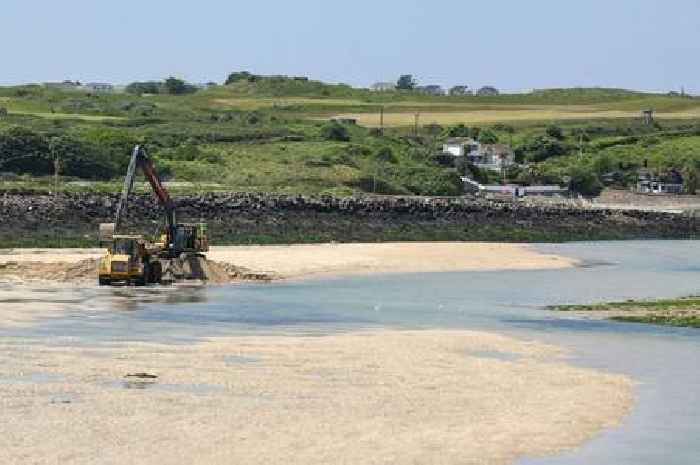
(64, 85)
(613, 178)
(205, 85)
(487, 91)
(648, 183)
(460, 146)
(383, 87)
(461, 90)
(431, 90)
(544, 191)
(494, 157)
(98, 87)
(513, 190)
(344, 120)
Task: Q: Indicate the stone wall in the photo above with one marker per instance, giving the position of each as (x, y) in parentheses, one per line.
(261, 218)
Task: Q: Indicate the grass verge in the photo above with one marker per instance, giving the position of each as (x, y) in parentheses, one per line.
(683, 312)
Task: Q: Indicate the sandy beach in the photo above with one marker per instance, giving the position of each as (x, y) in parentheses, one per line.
(380, 397)
(297, 261)
(372, 397)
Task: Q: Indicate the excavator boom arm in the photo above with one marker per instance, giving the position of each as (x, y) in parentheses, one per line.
(139, 159)
(160, 191)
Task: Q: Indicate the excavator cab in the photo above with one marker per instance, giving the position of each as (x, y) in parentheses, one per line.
(184, 238)
(190, 238)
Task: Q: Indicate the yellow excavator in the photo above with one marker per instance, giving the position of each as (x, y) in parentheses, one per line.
(131, 259)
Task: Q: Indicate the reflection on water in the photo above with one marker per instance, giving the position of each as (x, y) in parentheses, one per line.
(496, 355)
(663, 429)
(154, 385)
(33, 378)
(234, 360)
(133, 299)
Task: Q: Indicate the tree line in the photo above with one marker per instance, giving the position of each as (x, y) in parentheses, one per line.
(170, 86)
(93, 155)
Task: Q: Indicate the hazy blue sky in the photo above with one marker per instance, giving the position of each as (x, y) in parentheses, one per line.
(642, 44)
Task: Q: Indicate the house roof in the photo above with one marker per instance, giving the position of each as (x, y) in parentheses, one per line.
(498, 148)
(384, 85)
(545, 189)
(460, 140)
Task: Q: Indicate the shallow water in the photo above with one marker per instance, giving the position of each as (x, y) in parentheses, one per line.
(664, 427)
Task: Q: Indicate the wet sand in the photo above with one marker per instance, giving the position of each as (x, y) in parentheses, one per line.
(443, 397)
(437, 397)
(298, 261)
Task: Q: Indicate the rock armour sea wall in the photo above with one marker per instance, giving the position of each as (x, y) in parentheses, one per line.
(244, 218)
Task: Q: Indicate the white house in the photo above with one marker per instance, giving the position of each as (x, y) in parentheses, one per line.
(65, 85)
(494, 157)
(383, 87)
(649, 183)
(431, 89)
(99, 87)
(460, 146)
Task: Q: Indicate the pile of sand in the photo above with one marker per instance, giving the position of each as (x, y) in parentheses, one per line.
(85, 271)
(81, 271)
(222, 273)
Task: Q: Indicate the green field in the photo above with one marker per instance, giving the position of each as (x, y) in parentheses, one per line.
(273, 135)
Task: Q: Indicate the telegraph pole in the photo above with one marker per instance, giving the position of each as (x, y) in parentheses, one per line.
(381, 120)
(580, 142)
(56, 172)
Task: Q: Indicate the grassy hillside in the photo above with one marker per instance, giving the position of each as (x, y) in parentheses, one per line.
(273, 135)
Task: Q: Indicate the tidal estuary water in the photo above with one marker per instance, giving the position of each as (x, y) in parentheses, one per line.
(664, 427)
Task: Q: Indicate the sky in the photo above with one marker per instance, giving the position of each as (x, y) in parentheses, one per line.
(513, 45)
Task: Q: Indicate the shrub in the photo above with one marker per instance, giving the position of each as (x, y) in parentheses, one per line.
(543, 148)
(138, 88)
(422, 181)
(240, 76)
(555, 132)
(585, 182)
(174, 86)
(335, 131)
(487, 136)
(459, 130)
(504, 128)
(254, 118)
(386, 155)
(25, 151)
(690, 178)
(82, 159)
